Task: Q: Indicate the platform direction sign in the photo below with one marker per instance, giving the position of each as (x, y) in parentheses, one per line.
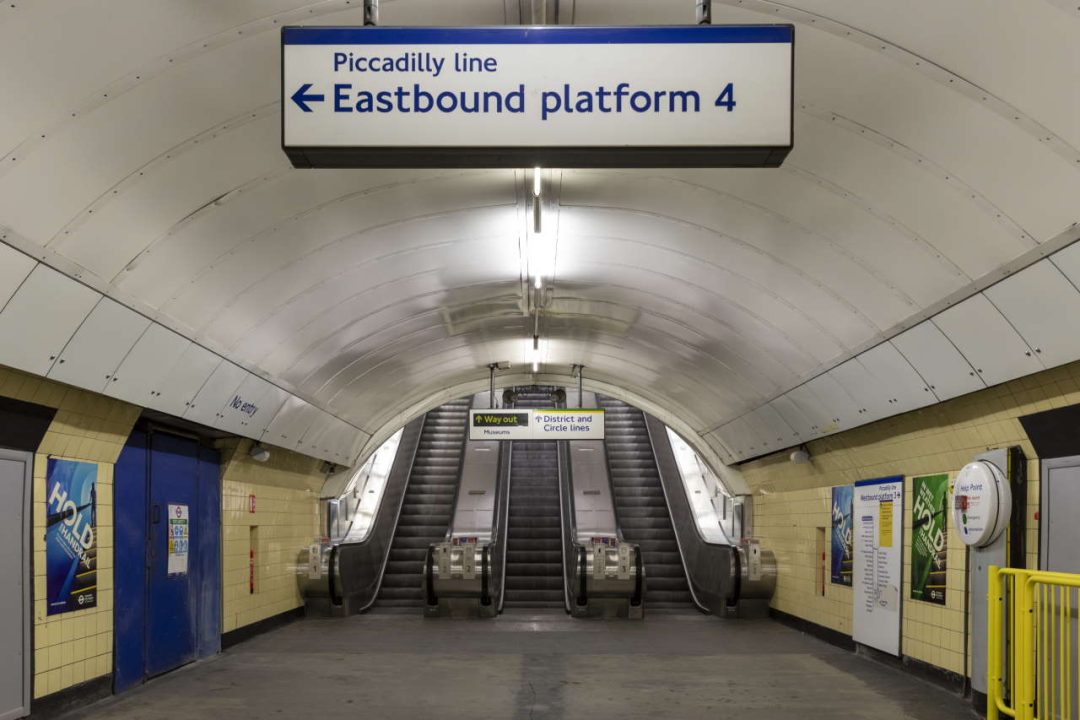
(537, 424)
(675, 96)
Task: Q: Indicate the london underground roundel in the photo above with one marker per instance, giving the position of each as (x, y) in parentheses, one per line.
(982, 503)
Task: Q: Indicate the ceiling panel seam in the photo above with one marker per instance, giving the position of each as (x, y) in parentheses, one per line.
(787, 220)
(325, 281)
(678, 280)
(926, 164)
(131, 179)
(162, 64)
(797, 271)
(336, 241)
(197, 215)
(925, 66)
(339, 329)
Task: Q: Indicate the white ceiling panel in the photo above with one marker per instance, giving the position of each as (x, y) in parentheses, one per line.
(208, 405)
(184, 379)
(905, 388)
(251, 408)
(14, 268)
(873, 400)
(144, 373)
(1044, 307)
(801, 425)
(987, 341)
(938, 361)
(99, 345)
(41, 317)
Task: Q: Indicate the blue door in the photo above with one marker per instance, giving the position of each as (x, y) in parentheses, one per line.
(174, 495)
(168, 555)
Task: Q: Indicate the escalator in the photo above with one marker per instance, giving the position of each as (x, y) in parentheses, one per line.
(428, 504)
(534, 549)
(640, 505)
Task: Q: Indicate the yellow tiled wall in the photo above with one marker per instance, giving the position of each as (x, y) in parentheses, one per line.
(77, 646)
(286, 490)
(792, 501)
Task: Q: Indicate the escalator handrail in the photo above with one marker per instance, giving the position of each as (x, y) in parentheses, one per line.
(583, 594)
(485, 595)
(429, 577)
(639, 581)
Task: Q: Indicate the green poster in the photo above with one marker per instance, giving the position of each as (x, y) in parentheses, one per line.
(928, 538)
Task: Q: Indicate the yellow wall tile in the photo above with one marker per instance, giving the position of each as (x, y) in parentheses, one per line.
(286, 490)
(791, 501)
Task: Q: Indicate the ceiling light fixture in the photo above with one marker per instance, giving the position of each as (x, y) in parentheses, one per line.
(536, 182)
(539, 282)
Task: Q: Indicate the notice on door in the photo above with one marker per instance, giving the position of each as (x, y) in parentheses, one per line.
(878, 509)
(179, 539)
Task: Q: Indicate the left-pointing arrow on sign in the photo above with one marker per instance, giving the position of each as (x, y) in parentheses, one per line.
(302, 98)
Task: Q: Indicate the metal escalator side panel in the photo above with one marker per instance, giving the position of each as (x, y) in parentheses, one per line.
(357, 571)
(710, 567)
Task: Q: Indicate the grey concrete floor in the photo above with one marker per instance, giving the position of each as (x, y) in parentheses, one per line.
(537, 666)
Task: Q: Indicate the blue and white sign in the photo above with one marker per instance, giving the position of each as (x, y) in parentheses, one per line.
(70, 536)
(522, 96)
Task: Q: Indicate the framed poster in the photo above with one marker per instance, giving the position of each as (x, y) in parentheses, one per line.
(879, 533)
(841, 556)
(929, 525)
(70, 536)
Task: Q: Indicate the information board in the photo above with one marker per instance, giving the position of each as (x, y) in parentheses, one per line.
(687, 96)
(536, 424)
(878, 524)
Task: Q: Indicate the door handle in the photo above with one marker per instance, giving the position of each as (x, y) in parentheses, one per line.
(155, 515)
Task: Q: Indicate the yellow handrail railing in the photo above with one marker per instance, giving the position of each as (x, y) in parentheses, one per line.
(1032, 637)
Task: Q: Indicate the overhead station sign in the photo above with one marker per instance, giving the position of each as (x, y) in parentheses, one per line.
(692, 96)
(534, 424)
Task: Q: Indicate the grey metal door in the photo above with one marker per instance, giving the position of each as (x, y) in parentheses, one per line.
(1059, 540)
(15, 588)
(1059, 530)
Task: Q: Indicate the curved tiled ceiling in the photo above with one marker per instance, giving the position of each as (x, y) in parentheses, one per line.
(936, 144)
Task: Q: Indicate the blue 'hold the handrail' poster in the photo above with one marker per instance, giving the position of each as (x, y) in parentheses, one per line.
(71, 536)
(842, 556)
